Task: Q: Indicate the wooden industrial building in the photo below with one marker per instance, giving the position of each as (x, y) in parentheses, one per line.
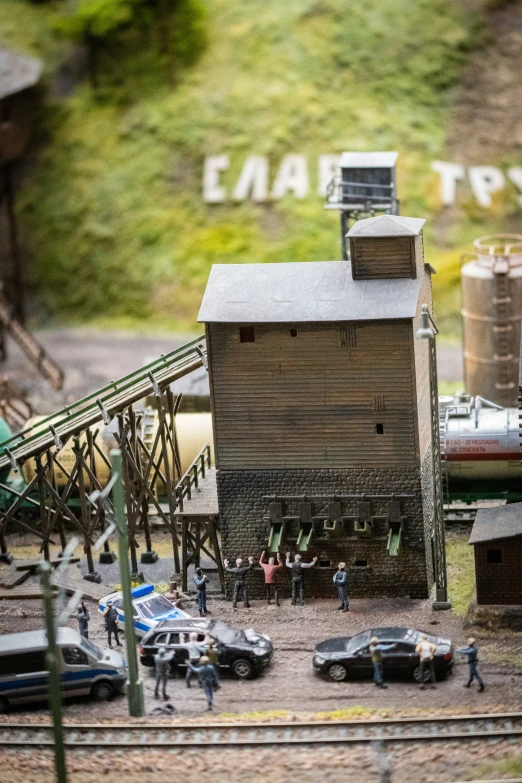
(320, 398)
(497, 541)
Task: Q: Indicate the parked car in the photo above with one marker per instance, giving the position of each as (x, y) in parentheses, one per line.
(150, 608)
(85, 668)
(244, 653)
(349, 656)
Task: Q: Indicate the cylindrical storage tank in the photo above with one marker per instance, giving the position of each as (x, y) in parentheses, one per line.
(491, 313)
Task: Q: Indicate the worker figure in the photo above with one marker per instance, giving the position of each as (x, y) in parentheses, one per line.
(376, 651)
(426, 651)
(162, 663)
(200, 580)
(297, 576)
(212, 653)
(269, 571)
(208, 679)
(240, 588)
(341, 582)
(195, 651)
(82, 615)
(111, 623)
(472, 652)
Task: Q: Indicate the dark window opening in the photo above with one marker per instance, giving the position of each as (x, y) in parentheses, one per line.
(5, 115)
(361, 564)
(293, 332)
(494, 555)
(246, 334)
(379, 429)
(325, 563)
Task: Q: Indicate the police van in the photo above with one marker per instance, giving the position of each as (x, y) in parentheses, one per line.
(149, 608)
(85, 668)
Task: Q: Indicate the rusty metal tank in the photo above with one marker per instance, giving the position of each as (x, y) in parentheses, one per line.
(491, 313)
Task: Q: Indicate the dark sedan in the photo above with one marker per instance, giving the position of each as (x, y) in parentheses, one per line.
(349, 656)
(244, 653)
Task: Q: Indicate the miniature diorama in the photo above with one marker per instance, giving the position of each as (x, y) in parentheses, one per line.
(260, 457)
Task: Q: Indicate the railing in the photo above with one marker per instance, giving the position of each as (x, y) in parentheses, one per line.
(340, 191)
(190, 478)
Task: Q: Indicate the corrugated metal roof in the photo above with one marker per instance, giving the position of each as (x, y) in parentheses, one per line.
(492, 524)
(387, 226)
(17, 72)
(302, 292)
(368, 160)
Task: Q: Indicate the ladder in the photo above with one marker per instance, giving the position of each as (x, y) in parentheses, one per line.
(102, 405)
(443, 426)
(35, 352)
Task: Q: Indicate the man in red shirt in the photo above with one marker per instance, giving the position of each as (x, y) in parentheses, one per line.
(270, 568)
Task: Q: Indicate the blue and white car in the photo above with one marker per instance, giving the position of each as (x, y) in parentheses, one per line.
(150, 608)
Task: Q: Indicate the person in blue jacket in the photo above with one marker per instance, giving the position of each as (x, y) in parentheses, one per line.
(472, 652)
(208, 679)
(376, 651)
(200, 580)
(341, 582)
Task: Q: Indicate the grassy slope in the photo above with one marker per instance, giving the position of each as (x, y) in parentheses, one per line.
(113, 210)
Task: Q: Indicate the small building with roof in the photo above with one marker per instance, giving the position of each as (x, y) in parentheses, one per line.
(320, 401)
(497, 540)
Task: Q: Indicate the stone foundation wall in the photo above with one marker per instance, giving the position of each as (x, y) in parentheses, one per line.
(245, 528)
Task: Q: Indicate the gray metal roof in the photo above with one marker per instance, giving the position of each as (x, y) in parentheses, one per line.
(17, 72)
(368, 160)
(387, 226)
(302, 292)
(495, 523)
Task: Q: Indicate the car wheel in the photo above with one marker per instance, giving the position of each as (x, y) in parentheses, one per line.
(243, 669)
(337, 672)
(417, 674)
(102, 691)
(4, 705)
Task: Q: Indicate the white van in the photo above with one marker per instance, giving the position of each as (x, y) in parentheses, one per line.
(85, 668)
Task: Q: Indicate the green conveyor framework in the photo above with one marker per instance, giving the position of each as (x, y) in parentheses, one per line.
(102, 405)
(304, 538)
(394, 541)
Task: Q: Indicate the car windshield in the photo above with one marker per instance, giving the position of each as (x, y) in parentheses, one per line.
(155, 606)
(357, 642)
(224, 633)
(92, 649)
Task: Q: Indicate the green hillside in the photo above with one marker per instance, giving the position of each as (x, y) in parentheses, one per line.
(112, 207)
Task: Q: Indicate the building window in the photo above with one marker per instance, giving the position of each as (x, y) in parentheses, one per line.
(293, 332)
(494, 555)
(379, 429)
(378, 402)
(348, 336)
(246, 334)
(325, 563)
(361, 564)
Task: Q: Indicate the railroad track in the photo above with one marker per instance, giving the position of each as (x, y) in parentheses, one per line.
(454, 728)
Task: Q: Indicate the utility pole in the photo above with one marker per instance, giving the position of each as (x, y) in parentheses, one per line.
(55, 694)
(135, 685)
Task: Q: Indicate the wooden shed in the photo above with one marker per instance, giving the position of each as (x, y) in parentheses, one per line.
(497, 539)
(321, 412)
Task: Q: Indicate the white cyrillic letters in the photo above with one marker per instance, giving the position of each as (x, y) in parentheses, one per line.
(450, 173)
(485, 180)
(515, 175)
(292, 176)
(213, 192)
(253, 180)
(327, 169)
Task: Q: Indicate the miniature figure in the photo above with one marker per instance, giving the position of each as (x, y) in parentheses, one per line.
(472, 652)
(240, 587)
(200, 580)
(208, 679)
(82, 615)
(426, 651)
(162, 668)
(212, 652)
(341, 581)
(376, 651)
(111, 623)
(195, 650)
(269, 571)
(297, 576)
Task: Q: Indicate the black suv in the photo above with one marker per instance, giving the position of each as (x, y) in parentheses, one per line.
(244, 653)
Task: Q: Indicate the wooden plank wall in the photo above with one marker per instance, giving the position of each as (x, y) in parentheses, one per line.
(383, 257)
(313, 400)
